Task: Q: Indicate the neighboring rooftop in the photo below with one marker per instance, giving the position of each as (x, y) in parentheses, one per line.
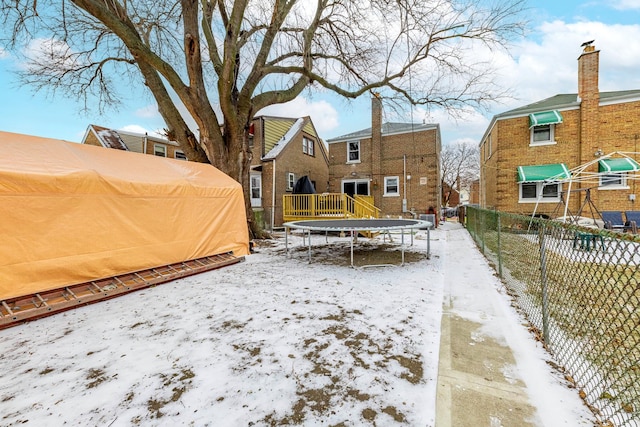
(567, 101)
(109, 138)
(390, 128)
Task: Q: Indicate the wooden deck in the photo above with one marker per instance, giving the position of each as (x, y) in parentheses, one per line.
(298, 207)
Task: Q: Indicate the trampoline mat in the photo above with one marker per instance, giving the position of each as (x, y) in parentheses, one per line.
(358, 224)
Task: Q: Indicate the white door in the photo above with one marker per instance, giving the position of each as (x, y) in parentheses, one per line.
(256, 190)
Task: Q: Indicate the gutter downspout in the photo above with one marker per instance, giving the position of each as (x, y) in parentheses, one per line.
(273, 194)
(144, 144)
(404, 185)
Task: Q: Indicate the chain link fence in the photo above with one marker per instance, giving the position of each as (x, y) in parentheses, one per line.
(580, 289)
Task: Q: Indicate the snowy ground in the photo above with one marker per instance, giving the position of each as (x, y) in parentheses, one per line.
(269, 341)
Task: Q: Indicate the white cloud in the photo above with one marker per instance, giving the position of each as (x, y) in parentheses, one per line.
(3, 53)
(48, 51)
(141, 130)
(148, 112)
(548, 65)
(323, 114)
(626, 4)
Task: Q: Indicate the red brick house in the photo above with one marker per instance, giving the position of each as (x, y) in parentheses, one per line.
(526, 154)
(131, 141)
(284, 150)
(396, 163)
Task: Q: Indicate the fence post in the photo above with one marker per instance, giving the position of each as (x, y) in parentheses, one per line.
(543, 281)
(476, 214)
(482, 227)
(499, 247)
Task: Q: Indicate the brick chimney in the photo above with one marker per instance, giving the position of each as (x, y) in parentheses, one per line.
(376, 140)
(588, 73)
(589, 97)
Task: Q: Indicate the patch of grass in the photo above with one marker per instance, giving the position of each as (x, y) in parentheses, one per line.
(328, 380)
(96, 377)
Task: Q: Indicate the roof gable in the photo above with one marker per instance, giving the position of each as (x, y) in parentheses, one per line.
(293, 130)
(108, 138)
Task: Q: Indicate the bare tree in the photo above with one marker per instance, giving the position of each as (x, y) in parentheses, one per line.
(459, 166)
(240, 56)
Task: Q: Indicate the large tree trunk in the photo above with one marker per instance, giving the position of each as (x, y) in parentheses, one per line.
(233, 157)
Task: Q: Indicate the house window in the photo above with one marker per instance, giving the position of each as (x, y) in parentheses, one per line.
(307, 146)
(256, 190)
(353, 152)
(178, 154)
(391, 186)
(353, 187)
(543, 134)
(291, 181)
(613, 180)
(159, 150)
(529, 192)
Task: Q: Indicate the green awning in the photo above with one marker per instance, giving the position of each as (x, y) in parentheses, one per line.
(551, 172)
(624, 164)
(545, 118)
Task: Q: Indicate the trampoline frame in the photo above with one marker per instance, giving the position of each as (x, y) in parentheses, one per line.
(353, 226)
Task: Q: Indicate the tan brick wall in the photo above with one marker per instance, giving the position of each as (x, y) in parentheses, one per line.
(422, 151)
(615, 130)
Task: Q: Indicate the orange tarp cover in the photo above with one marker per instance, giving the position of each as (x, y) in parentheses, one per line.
(72, 213)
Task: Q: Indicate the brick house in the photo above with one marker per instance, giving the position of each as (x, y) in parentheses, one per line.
(474, 193)
(130, 141)
(396, 163)
(284, 150)
(546, 139)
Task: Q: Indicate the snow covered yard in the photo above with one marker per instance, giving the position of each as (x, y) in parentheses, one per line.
(270, 341)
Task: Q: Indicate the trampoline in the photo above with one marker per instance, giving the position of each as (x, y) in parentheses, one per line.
(355, 225)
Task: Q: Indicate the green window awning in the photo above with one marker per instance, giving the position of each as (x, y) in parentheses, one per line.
(624, 164)
(545, 118)
(551, 172)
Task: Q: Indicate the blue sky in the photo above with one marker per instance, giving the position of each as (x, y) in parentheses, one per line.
(541, 65)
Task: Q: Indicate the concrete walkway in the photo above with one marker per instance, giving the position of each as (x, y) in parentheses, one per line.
(480, 382)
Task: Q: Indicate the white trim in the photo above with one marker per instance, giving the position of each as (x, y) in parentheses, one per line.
(550, 141)
(391, 194)
(539, 199)
(255, 202)
(291, 180)
(623, 181)
(359, 159)
(156, 146)
(356, 182)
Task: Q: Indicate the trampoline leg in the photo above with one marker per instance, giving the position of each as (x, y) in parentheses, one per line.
(402, 246)
(351, 248)
(286, 240)
(309, 237)
(428, 244)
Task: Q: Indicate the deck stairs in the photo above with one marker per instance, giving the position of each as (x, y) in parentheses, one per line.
(301, 207)
(29, 307)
